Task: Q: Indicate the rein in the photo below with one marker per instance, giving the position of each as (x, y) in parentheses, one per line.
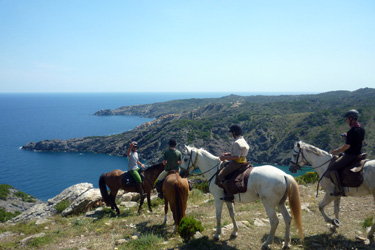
(305, 161)
(195, 166)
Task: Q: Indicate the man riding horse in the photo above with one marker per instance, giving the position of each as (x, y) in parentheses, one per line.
(172, 162)
(352, 149)
(234, 159)
(133, 169)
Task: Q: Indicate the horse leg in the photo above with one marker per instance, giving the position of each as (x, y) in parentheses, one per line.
(231, 213)
(113, 201)
(326, 200)
(274, 222)
(142, 198)
(165, 210)
(219, 207)
(370, 234)
(149, 201)
(288, 220)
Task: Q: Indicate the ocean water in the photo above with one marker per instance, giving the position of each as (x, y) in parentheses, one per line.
(35, 117)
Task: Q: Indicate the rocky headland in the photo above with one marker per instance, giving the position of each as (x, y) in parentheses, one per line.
(271, 124)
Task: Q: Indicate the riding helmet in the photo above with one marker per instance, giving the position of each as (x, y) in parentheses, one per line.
(135, 144)
(354, 114)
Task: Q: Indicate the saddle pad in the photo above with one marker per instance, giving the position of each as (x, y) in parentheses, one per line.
(237, 181)
(128, 180)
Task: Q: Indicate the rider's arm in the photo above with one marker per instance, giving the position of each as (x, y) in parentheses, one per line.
(341, 149)
(129, 149)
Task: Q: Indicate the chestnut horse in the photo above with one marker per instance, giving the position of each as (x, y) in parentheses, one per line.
(176, 193)
(113, 180)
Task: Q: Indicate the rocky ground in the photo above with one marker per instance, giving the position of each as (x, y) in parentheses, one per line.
(110, 232)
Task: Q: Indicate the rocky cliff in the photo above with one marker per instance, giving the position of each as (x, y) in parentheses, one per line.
(271, 125)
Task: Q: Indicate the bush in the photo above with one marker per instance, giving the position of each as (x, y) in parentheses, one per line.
(202, 185)
(367, 222)
(4, 215)
(309, 177)
(4, 191)
(188, 227)
(25, 197)
(62, 205)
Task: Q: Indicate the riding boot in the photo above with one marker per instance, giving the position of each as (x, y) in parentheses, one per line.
(339, 191)
(228, 197)
(140, 190)
(159, 186)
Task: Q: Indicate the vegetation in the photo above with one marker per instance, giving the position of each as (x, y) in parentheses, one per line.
(25, 197)
(307, 178)
(4, 191)
(188, 227)
(62, 205)
(4, 215)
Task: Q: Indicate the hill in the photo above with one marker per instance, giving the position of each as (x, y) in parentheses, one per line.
(271, 125)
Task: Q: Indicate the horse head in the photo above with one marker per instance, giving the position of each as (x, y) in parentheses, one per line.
(189, 163)
(298, 159)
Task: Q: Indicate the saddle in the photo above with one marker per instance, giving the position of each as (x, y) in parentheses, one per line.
(351, 175)
(237, 181)
(128, 180)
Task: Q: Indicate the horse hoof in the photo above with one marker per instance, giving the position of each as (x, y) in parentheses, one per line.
(265, 247)
(336, 222)
(286, 245)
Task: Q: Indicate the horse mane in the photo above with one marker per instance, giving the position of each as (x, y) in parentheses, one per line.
(207, 154)
(312, 149)
(153, 168)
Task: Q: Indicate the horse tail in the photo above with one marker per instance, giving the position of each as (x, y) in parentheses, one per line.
(295, 203)
(103, 189)
(181, 196)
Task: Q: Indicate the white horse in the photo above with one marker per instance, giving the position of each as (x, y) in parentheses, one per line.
(267, 183)
(304, 153)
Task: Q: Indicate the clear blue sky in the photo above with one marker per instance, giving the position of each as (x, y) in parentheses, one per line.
(176, 46)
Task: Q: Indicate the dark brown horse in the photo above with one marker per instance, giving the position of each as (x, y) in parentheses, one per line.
(114, 178)
(176, 193)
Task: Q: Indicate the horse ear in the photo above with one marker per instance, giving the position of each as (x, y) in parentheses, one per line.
(299, 144)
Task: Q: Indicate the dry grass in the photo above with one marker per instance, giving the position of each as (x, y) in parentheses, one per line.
(81, 232)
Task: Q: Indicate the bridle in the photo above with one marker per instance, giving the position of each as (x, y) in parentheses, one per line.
(194, 165)
(304, 160)
(296, 163)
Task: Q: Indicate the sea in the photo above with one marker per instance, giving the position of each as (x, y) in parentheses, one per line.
(26, 117)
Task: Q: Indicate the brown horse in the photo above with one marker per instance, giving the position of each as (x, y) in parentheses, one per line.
(113, 180)
(176, 192)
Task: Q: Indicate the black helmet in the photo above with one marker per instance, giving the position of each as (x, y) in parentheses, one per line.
(236, 129)
(172, 143)
(354, 114)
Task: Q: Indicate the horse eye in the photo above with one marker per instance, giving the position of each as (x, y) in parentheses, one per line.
(185, 159)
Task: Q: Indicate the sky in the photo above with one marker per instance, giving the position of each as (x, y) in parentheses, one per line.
(186, 46)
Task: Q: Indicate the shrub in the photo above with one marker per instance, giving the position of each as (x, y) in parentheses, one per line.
(62, 205)
(188, 227)
(25, 197)
(367, 222)
(4, 191)
(309, 177)
(202, 185)
(4, 215)
(144, 242)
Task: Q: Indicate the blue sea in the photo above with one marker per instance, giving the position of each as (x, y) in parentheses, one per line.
(35, 117)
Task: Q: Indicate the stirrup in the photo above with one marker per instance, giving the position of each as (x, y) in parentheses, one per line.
(340, 193)
(228, 199)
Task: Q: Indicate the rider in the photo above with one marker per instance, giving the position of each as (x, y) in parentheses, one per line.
(352, 148)
(133, 169)
(236, 158)
(172, 161)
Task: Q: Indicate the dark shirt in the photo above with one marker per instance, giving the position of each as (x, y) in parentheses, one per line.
(354, 138)
(172, 157)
